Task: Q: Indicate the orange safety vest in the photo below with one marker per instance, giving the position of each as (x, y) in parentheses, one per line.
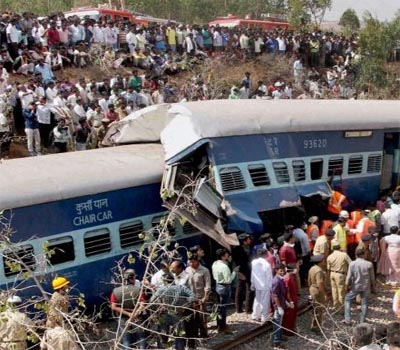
(367, 224)
(335, 203)
(325, 226)
(310, 229)
(356, 217)
(351, 239)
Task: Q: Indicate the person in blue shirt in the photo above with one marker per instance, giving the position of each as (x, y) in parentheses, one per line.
(32, 129)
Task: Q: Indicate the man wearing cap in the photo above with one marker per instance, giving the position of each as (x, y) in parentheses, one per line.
(323, 244)
(366, 245)
(59, 303)
(313, 231)
(123, 301)
(317, 283)
(360, 280)
(337, 265)
(341, 233)
(102, 131)
(241, 257)
(14, 326)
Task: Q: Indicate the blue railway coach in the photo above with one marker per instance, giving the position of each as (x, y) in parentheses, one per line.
(268, 158)
(88, 207)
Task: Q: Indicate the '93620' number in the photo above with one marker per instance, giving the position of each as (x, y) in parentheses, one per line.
(315, 143)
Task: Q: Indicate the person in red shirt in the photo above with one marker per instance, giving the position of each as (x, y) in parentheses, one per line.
(53, 37)
(289, 317)
(112, 115)
(287, 253)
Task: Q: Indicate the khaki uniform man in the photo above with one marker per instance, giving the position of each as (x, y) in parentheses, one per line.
(337, 265)
(14, 326)
(365, 244)
(318, 291)
(58, 339)
(323, 244)
(59, 303)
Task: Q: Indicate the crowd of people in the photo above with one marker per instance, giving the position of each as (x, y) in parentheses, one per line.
(137, 62)
(337, 259)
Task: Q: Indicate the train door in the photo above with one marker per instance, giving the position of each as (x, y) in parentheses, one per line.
(391, 161)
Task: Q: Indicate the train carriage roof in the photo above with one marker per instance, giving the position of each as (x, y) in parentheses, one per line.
(196, 121)
(34, 180)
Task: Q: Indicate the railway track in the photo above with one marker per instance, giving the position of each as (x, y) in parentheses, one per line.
(255, 332)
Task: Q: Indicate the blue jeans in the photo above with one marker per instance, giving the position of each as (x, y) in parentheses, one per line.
(224, 293)
(132, 337)
(167, 323)
(364, 304)
(276, 327)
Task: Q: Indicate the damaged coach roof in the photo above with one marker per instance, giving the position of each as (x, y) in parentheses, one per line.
(181, 125)
(198, 121)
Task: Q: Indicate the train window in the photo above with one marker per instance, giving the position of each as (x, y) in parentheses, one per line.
(335, 166)
(317, 166)
(281, 172)
(374, 163)
(355, 165)
(61, 250)
(129, 233)
(157, 228)
(188, 228)
(97, 242)
(231, 179)
(13, 260)
(299, 170)
(259, 175)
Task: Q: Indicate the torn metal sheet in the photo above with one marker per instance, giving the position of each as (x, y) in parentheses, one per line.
(315, 189)
(204, 222)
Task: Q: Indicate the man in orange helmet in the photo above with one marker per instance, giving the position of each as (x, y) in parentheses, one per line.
(59, 302)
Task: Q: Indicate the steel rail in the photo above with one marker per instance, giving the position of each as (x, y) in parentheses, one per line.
(255, 332)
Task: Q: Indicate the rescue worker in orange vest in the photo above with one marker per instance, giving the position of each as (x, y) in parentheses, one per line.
(363, 225)
(325, 226)
(313, 231)
(336, 201)
(355, 217)
(351, 238)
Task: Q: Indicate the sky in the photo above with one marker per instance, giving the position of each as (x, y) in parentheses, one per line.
(383, 9)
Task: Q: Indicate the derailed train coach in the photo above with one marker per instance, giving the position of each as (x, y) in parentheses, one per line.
(255, 165)
(78, 215)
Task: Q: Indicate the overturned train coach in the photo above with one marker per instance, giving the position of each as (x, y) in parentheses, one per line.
(256, 165)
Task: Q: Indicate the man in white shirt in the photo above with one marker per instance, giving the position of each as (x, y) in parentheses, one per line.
(389, 218)
(131, 40)
(181, 276)
(261, 282)
(51, 92)
(13, 35)
(25, 95)
(44, 118)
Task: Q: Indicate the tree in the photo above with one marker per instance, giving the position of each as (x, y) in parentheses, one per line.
(298, 16)
(349, 20)
(317, 9)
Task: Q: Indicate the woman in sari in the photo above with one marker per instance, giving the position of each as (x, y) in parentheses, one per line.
(389, 262)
